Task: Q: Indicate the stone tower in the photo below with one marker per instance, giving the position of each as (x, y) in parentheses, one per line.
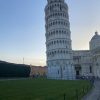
(58, 40)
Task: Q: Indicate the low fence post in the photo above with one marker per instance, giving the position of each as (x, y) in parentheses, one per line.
(77, 94)
(64, 96)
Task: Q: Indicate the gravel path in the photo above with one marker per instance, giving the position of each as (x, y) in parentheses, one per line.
(94, 94)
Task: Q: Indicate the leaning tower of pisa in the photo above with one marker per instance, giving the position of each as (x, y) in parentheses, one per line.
(58, 41)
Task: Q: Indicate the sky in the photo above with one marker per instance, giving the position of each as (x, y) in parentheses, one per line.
(22, 28)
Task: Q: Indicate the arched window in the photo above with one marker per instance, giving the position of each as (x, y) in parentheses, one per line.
(60, 8)
(59, 22)
(58, 14)
(50, 53)
(66, 24)
(58, 71)
(63, 41)
(57, 31)
(62, 31)
(60, 41)
(53, 32)
(90, 69)
(53, 23)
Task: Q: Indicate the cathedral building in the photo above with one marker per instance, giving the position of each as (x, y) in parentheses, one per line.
(87, 62)
(62, 61)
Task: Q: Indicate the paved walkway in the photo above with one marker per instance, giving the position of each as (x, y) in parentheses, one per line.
(13, 79)
(94, 94)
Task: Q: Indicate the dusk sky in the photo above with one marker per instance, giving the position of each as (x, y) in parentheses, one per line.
(22, 28)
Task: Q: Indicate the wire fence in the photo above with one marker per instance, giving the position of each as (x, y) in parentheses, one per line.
(77, 95)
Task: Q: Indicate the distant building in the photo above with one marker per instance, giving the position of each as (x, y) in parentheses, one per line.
(38, 71)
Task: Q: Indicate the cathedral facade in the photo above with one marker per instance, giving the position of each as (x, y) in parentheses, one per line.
(62, 61)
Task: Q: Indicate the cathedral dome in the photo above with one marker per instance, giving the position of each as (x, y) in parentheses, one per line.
(95, 41)
(96, 36)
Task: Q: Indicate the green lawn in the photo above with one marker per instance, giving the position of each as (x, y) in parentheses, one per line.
(42, 89)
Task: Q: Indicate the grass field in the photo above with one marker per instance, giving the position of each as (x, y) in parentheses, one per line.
(42, 89)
